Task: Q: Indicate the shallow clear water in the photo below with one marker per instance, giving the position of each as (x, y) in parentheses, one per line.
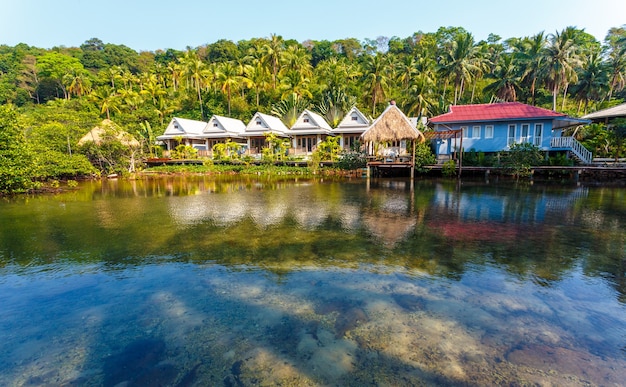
(231, 282)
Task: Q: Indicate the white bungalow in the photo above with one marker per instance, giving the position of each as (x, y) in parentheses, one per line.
(258, 127)
(221, 129)
(351, 128)
(309, 130)
(183, 131)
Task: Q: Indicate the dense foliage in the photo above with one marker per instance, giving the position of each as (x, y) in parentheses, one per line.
(63, 92)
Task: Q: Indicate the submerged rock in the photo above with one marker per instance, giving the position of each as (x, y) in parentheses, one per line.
(139, 364)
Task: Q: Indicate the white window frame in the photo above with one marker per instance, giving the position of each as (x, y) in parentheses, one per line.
(476, 131)
(538, 139)
(511, 139)
(524, 138)
(488, 131)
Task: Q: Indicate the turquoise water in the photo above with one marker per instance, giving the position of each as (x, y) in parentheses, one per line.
(236, 282)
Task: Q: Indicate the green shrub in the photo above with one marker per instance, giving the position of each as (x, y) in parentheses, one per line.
(350, 160)
(449, 168)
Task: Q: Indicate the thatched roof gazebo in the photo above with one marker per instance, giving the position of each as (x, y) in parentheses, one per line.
(108, 129)
(391, 126)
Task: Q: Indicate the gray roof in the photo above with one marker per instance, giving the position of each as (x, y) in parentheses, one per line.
(615, 111)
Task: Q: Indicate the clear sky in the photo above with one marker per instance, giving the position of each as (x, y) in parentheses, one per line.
(158, 24)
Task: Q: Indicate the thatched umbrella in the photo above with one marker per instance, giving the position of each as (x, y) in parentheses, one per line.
(393, 125)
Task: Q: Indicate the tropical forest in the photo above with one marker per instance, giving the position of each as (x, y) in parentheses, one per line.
(50, 98)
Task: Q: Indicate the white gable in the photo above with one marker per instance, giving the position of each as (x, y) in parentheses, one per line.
(183, 126)
(265, 123)
(225, 126)
(310, 122)
(353, 118)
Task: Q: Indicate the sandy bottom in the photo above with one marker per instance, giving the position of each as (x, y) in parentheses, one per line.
(188, 325)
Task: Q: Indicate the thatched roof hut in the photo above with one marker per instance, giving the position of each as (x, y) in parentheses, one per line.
(108, 129)
(391, 125)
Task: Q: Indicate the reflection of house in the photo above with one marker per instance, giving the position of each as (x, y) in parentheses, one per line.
(495, 127)
(260, 125)
(309, 130)
(503, 208)
(351, 128)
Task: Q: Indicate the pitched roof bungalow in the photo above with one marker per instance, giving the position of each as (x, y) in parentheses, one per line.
(220, 129)
(495, 127)
(258, 127)
(349, 130)
(183, 129)
(309, 130)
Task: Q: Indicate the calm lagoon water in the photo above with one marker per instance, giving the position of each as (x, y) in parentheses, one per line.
(200, 281)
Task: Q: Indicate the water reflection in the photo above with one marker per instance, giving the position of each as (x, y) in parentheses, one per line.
(230, 281)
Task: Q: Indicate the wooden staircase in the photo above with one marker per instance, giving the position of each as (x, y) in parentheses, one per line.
(574, 147)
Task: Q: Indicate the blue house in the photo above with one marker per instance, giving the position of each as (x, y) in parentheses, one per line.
(495, 127)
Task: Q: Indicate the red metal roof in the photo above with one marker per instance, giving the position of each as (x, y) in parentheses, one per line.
(494, 112)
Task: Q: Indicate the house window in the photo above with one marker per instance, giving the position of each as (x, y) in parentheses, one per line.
(465, 133)
(475, 131)
(305, 120)
(354, 118)
(175, 126)
(511, 138)
(538, 134)
(489, 131)
(215, 124)
(258, 122)
(525, 135)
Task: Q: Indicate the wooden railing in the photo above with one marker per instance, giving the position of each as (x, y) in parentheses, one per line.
(577, 149)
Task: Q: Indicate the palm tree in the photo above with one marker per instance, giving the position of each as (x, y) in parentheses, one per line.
(228, 76)
(506, 80)
(107, 99)
(290, 108)
(259, 79)
(530, 55)
(377, 77)
(459, 62)
(195, 72)
(592, 80)
(561, 56)
(616, 45)
(273, 50)
(334, 105)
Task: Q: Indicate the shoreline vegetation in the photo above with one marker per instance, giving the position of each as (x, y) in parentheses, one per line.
(51, 98)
